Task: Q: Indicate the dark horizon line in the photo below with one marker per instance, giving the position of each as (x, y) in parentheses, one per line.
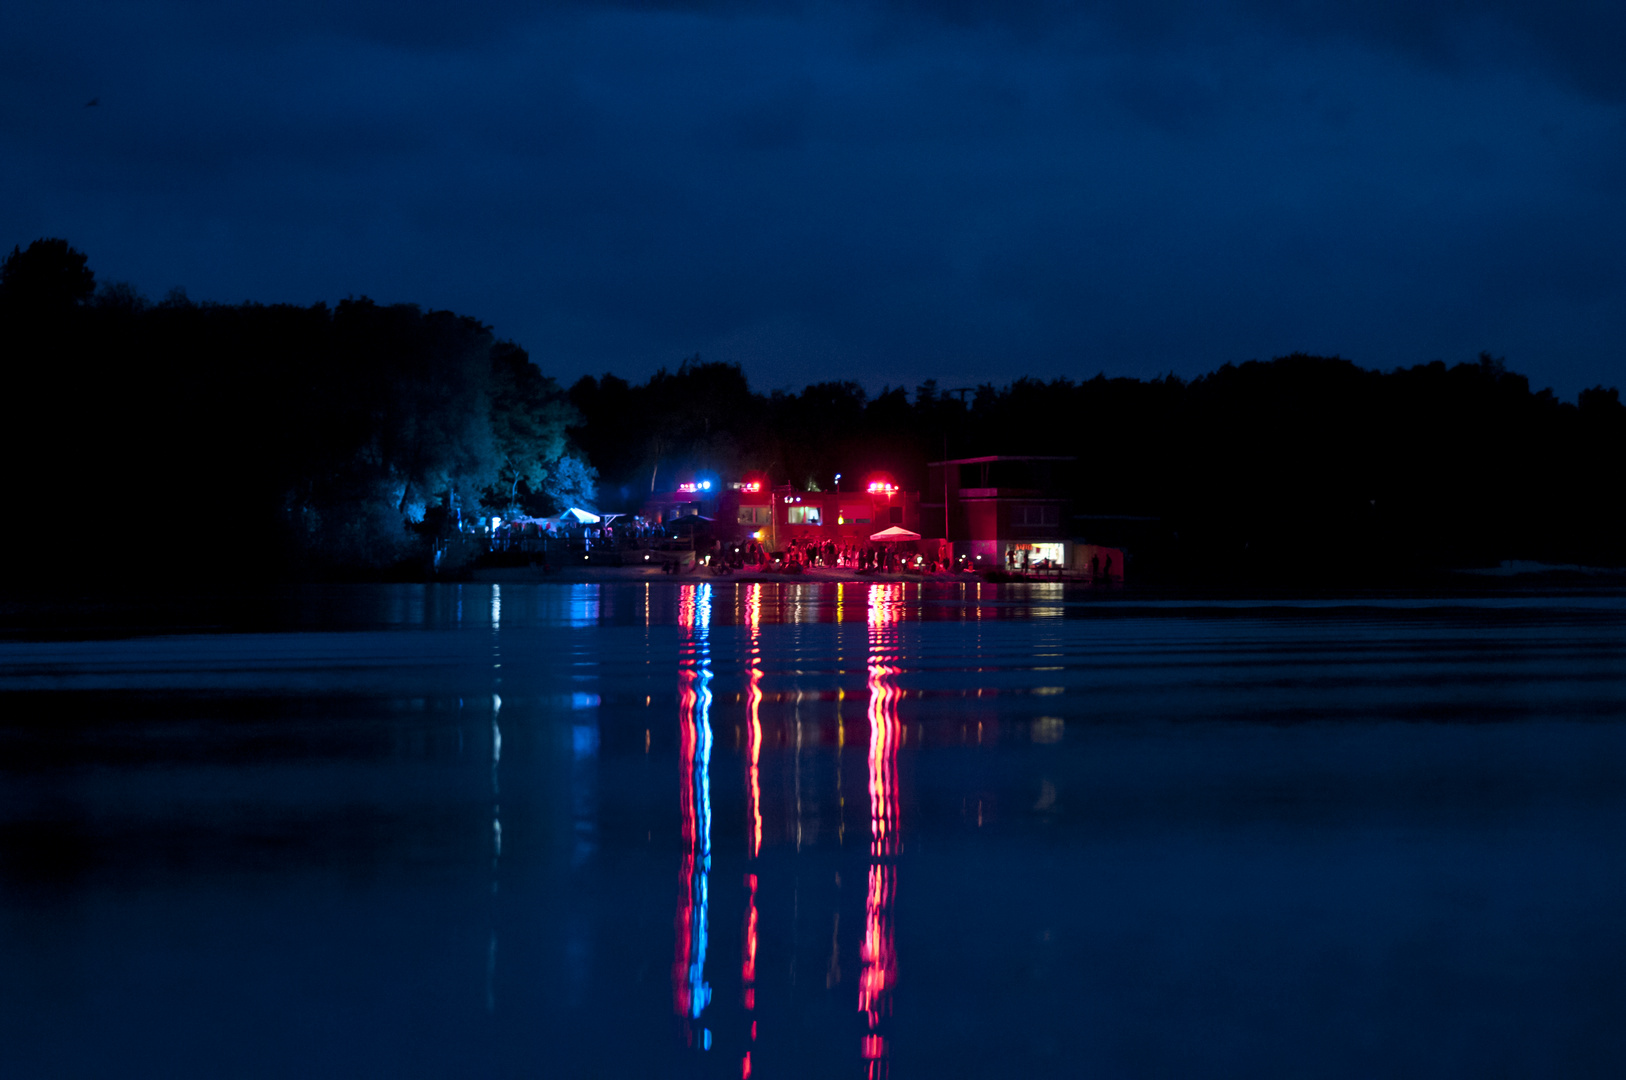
(117, 293)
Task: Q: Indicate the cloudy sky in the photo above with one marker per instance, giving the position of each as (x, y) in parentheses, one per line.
(886, 192)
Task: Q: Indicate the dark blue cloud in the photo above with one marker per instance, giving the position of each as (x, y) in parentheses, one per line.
(885, 192)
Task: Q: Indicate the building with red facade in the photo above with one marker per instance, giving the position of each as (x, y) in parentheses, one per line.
(775, 516)
(998, 512)
(1011, 511)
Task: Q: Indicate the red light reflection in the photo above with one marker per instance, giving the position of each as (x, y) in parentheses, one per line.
(748, 965)
(688, 739)
(753, 707)
(878, 952)
(690, 991)
(684, 923)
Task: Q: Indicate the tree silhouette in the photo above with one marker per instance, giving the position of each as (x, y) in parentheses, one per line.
(49, 278)
(252, 440)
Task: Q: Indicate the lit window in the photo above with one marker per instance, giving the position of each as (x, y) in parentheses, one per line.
(803, 515)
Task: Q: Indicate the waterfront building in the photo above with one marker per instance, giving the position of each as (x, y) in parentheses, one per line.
(1012, 512)
(749, 508)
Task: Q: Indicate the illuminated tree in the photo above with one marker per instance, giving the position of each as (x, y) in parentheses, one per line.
(529, 414)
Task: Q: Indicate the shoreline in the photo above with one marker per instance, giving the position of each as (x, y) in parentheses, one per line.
(1509, 576)
(602, 574)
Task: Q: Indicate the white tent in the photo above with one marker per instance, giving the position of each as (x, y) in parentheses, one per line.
(580, 516)
(894, 533)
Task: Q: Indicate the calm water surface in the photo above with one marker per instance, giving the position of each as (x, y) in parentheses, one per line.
(819, 831)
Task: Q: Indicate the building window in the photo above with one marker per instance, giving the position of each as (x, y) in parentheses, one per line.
(854, 515)
(1036, 515)
(754, 515)
(1035, 556)
(803, 515)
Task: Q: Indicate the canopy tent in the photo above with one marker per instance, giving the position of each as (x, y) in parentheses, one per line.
(580, 516)
(896, 532)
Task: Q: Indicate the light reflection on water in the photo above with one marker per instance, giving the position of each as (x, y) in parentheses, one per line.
(879, 953)
(691, 993)
(961, 830)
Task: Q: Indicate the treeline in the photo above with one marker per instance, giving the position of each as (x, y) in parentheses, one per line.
(173, 438)
(1301, 470)
(151, 439)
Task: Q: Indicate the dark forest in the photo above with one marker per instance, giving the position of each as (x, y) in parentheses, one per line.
(176, 440)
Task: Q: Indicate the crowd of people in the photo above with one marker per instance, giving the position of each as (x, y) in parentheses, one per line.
(526, 534)
(854, 556)
(539, 537)
(868, 558)
(802, 555)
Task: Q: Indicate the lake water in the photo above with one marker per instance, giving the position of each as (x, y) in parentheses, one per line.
(819, 831)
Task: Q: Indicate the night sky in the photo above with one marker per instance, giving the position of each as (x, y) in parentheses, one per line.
(884, 192)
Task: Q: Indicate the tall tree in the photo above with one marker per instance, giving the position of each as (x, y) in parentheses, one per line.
(49, 278)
